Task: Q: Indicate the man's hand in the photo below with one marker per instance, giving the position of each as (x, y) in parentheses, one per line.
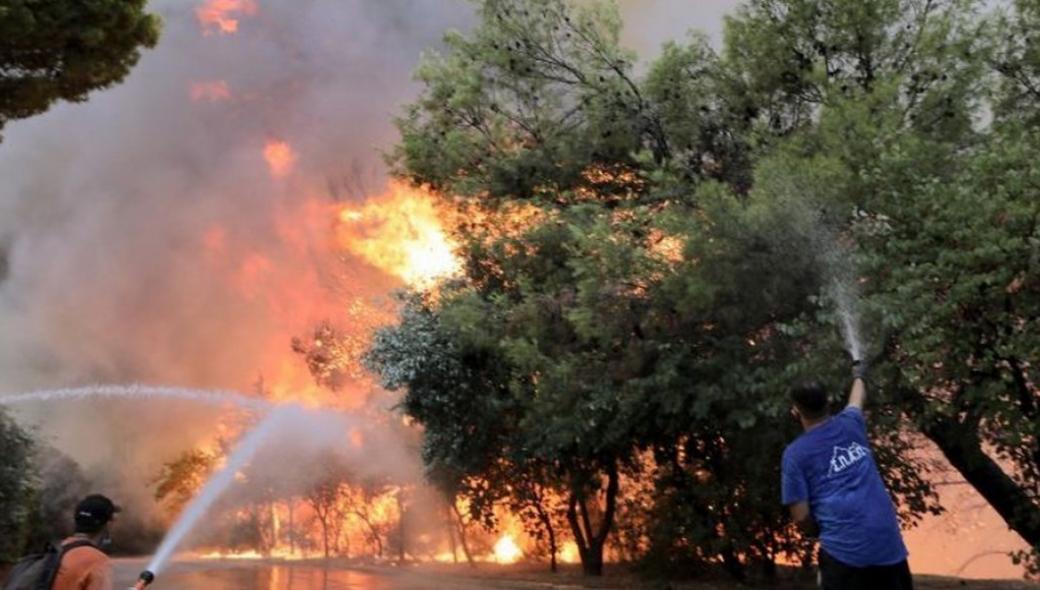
(858, 395)
(860, 369)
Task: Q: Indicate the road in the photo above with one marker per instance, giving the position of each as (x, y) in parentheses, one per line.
(258, 575)
(278, 575)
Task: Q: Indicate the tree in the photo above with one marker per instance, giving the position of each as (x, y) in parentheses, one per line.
(17, 479)
(366, 501)
(956, 288)
(650, 262)
(1017, 61)
(533, 495)
(326, 495)
(62, 50)
(60, 485)
(180, 479)
(646, 306)
(945, 230)
(323, 497)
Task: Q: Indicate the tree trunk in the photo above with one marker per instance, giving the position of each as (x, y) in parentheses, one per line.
(450, 522)
(731, 561)
(550, 532)
(275, 524)
(401, 549)
(325, 536)
(960, 444)
(373, 532)
(292, 528)
(462, 535)
(957, 437)
(590, 541)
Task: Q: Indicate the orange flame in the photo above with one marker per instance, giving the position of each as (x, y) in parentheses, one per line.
(210, 91)
(569, 553)
(215, 15)
(400, 233)
(507, 551)
(280, 158)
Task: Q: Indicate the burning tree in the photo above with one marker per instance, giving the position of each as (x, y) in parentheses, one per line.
(324, 497)
(181, 478)
(675, 281)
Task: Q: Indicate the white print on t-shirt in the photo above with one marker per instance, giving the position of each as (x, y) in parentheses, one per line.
(844, 457)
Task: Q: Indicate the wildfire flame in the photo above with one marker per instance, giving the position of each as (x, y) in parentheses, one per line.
(401, 233)
(210, 91)
(569, 553)
(280, 158)
(215, 15)
(507, 551)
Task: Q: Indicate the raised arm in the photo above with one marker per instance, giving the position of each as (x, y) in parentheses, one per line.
(858, 395)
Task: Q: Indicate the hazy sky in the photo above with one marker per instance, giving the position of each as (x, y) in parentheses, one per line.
(649, 23)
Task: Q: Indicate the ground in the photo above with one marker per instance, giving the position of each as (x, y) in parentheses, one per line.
(263, 575)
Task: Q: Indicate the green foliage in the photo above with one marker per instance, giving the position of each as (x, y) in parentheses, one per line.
(17, 487)
(680, 272)
(1017, 60)
(60, 485)
(54, 50)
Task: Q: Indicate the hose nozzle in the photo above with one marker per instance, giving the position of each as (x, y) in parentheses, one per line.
(144, 580)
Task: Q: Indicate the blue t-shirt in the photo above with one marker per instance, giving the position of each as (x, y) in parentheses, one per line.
(832, 467)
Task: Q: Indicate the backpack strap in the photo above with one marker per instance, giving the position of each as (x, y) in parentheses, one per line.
(61, 550)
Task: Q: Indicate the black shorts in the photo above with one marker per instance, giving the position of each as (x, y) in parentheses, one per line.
(835, 575)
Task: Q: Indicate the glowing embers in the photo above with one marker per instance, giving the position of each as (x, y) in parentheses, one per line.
(220, 15)
(400, 233)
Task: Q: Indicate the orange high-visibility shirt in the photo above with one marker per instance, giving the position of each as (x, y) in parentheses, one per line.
(83, 568)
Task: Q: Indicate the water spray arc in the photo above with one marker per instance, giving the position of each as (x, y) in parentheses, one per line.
(845, 303)
(217, 484)
(207, 396)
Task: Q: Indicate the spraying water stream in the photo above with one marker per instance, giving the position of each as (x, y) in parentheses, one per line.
(236, 461)
(207, 396)
(845, 302)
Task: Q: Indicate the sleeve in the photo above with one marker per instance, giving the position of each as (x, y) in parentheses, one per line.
(100, 577)
(854, 415)
(794, 487)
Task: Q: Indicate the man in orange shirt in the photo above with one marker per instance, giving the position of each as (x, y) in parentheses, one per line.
(86, 567)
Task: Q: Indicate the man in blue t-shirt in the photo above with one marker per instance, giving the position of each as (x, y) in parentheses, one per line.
(832, 487)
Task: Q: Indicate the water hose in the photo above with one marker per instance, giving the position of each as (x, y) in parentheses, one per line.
(144, 580)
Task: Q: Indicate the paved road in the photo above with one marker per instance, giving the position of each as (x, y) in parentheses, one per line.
(249, 575)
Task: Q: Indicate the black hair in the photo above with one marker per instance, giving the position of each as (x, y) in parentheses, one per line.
(810, 399)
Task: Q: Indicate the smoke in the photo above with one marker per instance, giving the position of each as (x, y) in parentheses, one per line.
(650, 23)
(144, 239)
(146, 236)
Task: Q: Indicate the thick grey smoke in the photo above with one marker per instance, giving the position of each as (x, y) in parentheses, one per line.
(105, 207)
(144, 240)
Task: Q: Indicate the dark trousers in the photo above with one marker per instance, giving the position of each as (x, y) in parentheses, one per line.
(835, 575)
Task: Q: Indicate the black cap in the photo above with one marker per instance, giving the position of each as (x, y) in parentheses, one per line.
(94, 511)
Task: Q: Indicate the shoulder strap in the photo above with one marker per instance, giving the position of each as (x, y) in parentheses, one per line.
(62, 549)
